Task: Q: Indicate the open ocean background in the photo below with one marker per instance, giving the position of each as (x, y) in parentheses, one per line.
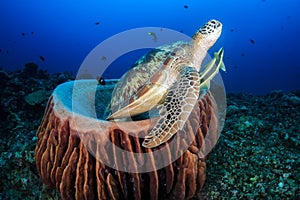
(260, 37)
(43, 44)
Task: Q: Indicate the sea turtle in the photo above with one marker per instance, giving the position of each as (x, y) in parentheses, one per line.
(168, 79)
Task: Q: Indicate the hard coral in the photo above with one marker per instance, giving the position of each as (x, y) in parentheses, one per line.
(37, 97)
(30, 69)
(66, 160)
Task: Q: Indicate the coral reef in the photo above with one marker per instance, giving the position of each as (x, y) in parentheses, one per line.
(30, 69)
(18, 123)
(257, 156)
(37, 97)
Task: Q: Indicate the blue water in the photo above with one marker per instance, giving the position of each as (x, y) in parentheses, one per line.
(260, 37)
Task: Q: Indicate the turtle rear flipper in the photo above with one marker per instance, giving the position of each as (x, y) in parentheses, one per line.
(174, 112)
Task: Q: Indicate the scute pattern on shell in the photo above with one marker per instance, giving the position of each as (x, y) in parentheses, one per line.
(140, 73)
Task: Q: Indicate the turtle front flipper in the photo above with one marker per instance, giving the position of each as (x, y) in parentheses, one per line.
(146, 98)
(174, 112)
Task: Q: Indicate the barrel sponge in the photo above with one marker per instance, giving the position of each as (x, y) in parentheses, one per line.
(68, 163)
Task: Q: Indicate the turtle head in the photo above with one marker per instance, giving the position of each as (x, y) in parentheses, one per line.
(208, 34)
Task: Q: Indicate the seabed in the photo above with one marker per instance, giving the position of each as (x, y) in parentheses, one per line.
(257, 155)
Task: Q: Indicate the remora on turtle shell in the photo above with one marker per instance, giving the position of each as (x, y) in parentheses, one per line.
(170, 81)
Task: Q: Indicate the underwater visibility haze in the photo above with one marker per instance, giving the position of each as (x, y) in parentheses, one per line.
(43, 46)
(260, 37)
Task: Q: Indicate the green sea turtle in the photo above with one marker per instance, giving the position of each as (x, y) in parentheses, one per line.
(168, 79)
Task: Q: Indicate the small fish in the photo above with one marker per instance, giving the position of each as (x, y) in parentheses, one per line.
(23, 33)
(100, 80)
(42, 58)
(103, 58)
(0, 50)
(32, 33)
(231, 30)
(185, 6)
(97, 23)
(243, 54)
(6, 51)
(252, 41)
(154, 36)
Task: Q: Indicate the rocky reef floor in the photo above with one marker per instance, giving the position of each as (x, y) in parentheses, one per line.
(257, 155)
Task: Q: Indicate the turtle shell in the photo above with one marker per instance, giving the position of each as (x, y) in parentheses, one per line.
(142, 71)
